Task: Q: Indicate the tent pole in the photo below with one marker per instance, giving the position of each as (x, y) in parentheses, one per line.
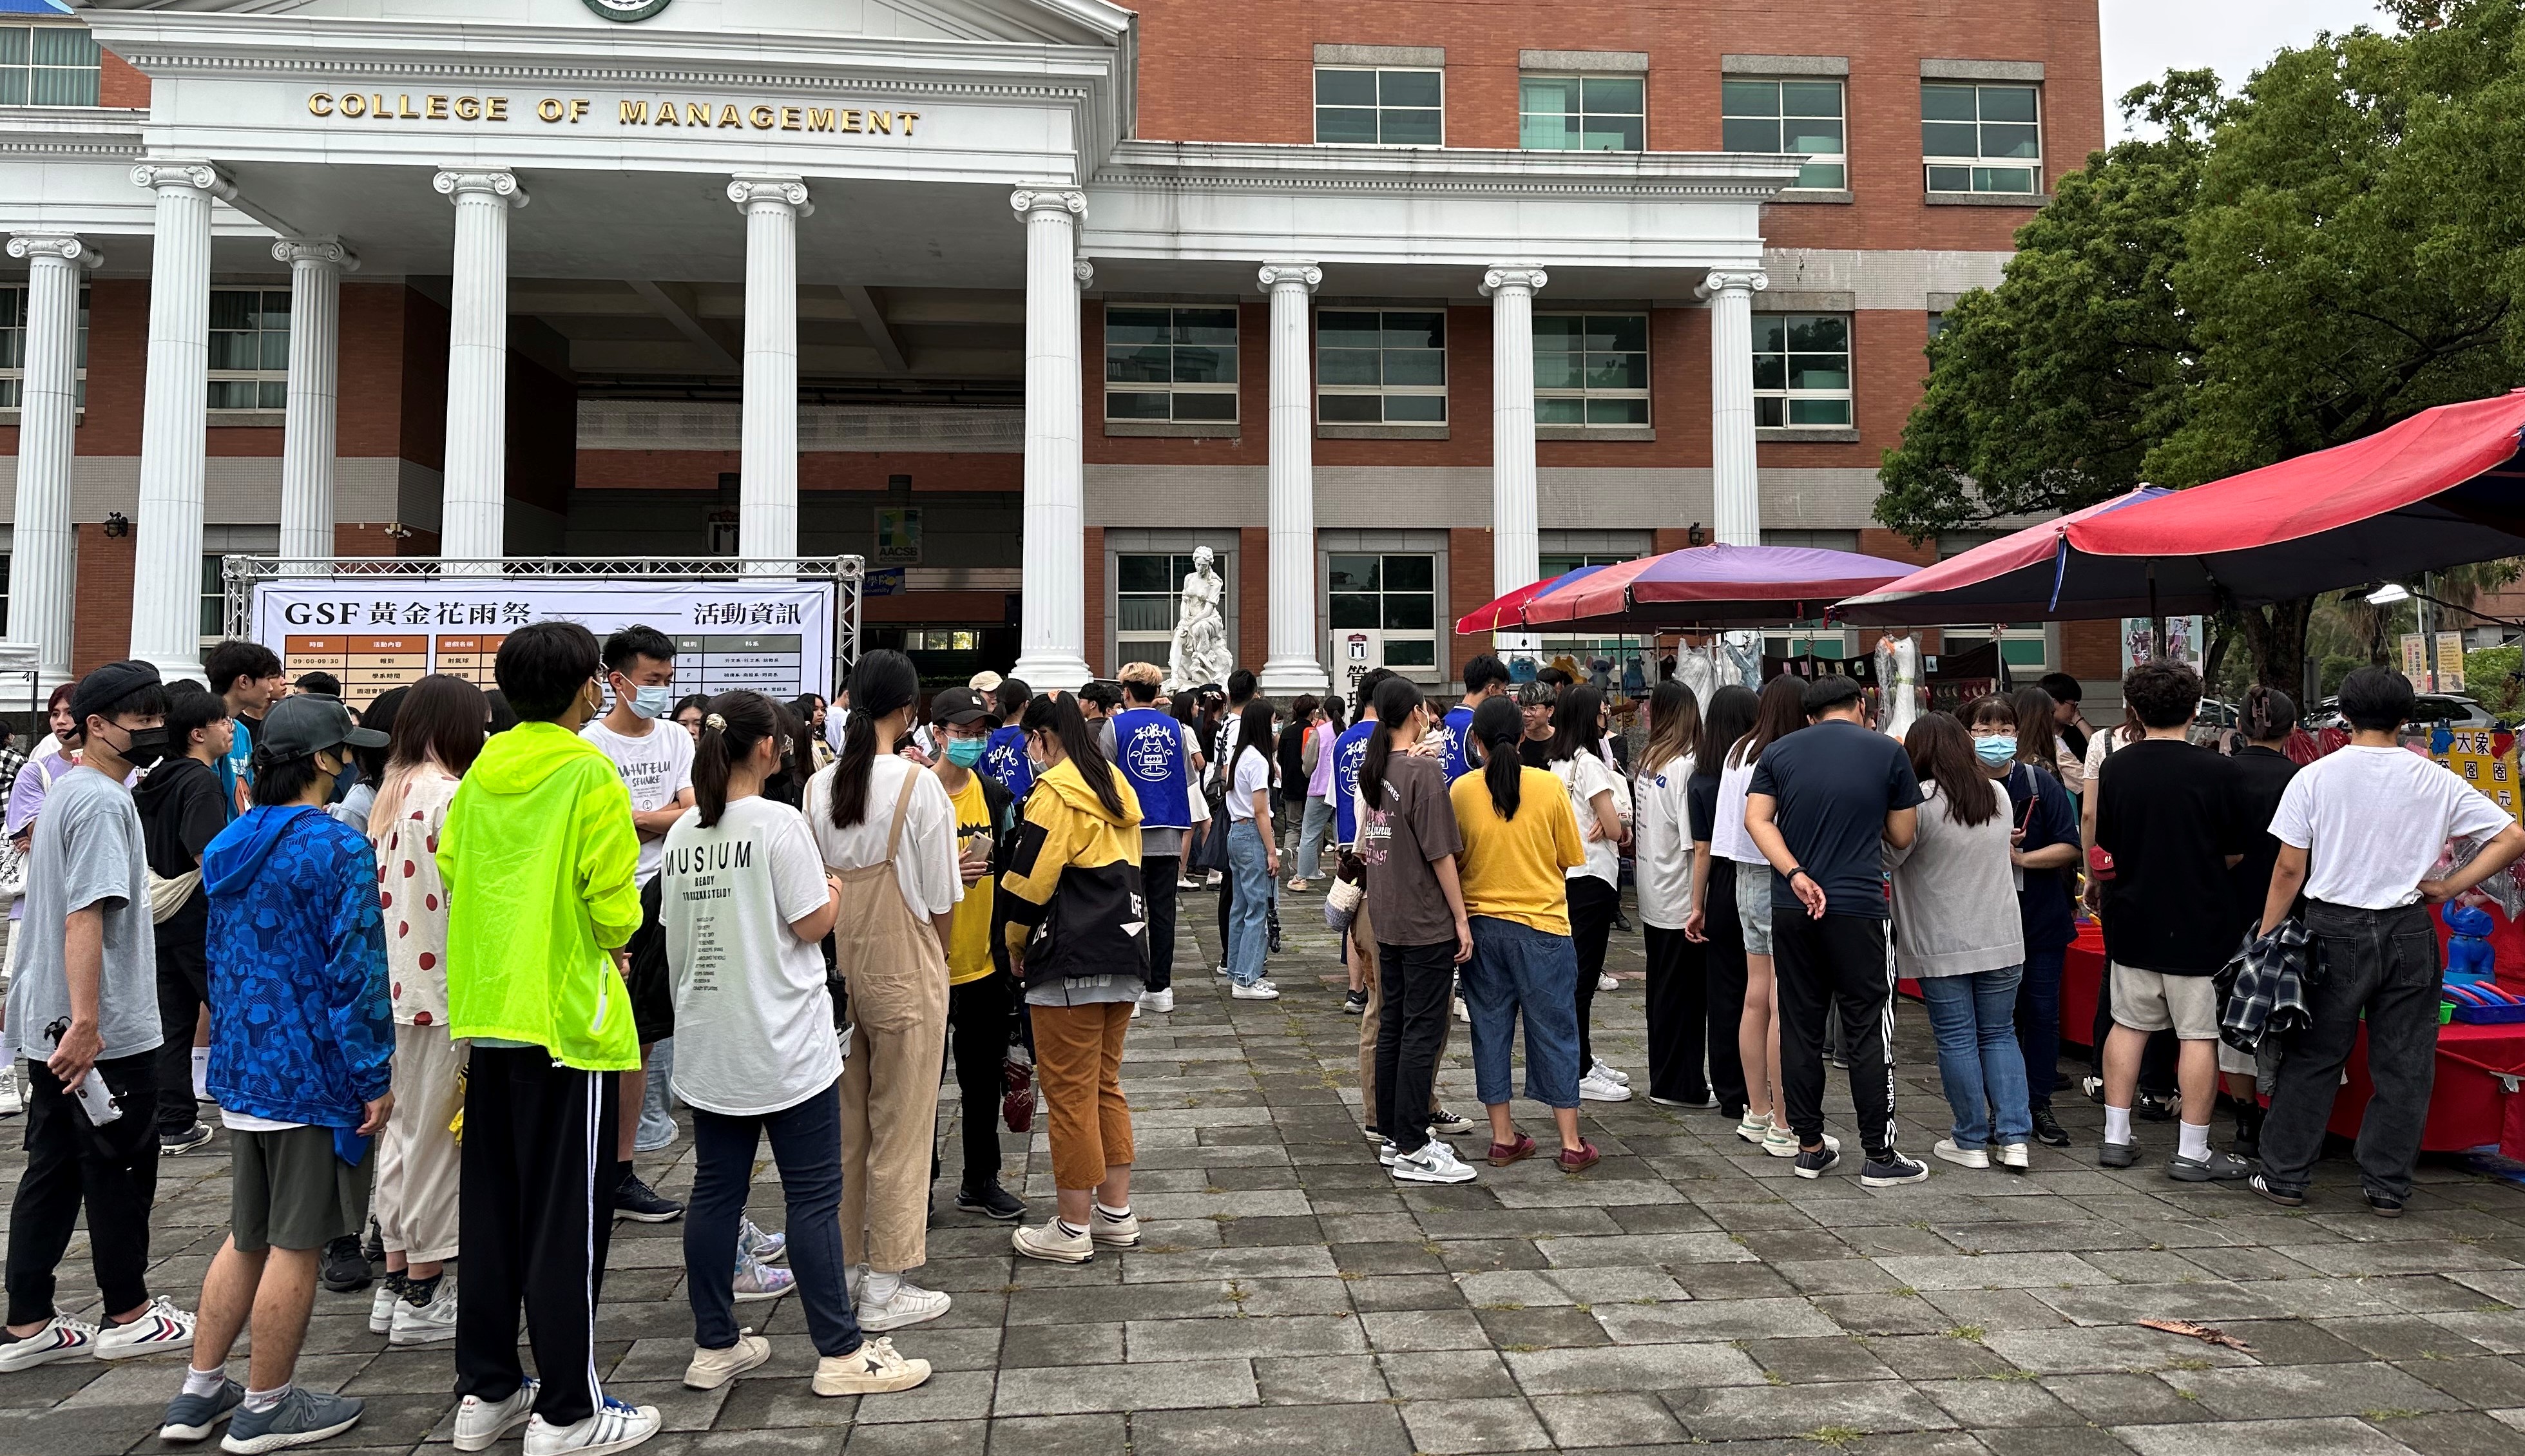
(2155, 621)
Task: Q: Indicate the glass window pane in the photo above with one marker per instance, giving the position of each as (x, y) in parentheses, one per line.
(1622, 331)
(232, 308)
(1414, 366)
(1811, 136)
(1206, 326)
(1618, 371)
(1810, 98)
(271, 394)
(1770, 333)
(1409, 128)
(1345, 88)
(1738, 135)
(1559, 371)
(222, 394)
(1141, 574)
(14, 42)
(2011, 139)
(1410, 612)
(1618, 411)
(1946, 104)
(1549, 133)
(13, 88)
(1409, 653)
(276, 348)
(65, 45)
(1557, 331)
(1415, 409)
(232, 351)
(1561, 412)
(64, 87)
(1346, 367)
(272, 308)
(2008, 103)
(1356, 573)
(1810, 333)
(1770, 372)
(1205, 406)
(1615, 94)
(1949, 139)
(1951, 179)
(1768, 412)
(1615, 134)
(1416, 330)
(1411, 573)
(1335, 330)
(1199, 365)
(1809, 372)
(1349, 408)
(1134, 405)
(1135, 327)
(1406, 88)
(2002, 180)
(1819, 411)
(1749, 98)
(1829, 175)
(1352, 611)
(1145, 614)
(1345, 125)
(1546, 93)
(1136, 365)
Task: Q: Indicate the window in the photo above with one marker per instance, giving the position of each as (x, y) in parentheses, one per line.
(1937, 325)
(47, 65)
(941, 640)
(249, 348)
(1800, 369)
(1148, 590)
(1392, 598)
(1591, 369)
(1370, 107)
(1171, 366)
(12, 347)
(215, 597)
(1582, 113)
(1801, 118)
(1381, 367)
(1976, 139)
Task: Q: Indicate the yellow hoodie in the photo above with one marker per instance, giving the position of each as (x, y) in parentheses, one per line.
(1072, 892)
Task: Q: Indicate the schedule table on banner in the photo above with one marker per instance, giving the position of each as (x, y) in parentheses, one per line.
(377, 634)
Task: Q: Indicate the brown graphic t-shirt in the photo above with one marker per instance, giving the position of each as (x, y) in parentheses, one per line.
(1399, 841)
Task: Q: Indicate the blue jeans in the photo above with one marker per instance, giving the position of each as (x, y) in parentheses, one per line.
(1248, 938)
(807, 1149)
(2038, 1023)
(1974, 1018)
(1311, 835)
(1516, 968)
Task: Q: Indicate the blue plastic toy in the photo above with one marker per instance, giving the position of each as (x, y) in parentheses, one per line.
(2468, 955)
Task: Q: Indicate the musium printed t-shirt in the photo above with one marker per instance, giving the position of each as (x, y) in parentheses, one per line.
(87, 852)
(754, 1024)
(1511, 869)
(655, 769)
(1401, 844)
(1833, 784)
(2166, 812)
(2372, 822)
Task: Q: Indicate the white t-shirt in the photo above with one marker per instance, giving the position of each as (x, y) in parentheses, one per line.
(1728, 838)
(656, 767)
(924, 863)
(2373, 822)
(1662, 842)
(1584, 777)
(753, 1022)
(1253, 773)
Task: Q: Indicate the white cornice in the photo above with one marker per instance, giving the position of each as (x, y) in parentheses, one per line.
(70, 133)
(1435, 172)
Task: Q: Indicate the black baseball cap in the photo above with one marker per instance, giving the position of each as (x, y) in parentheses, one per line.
(109, 685)
(308, 724)
(957, 706)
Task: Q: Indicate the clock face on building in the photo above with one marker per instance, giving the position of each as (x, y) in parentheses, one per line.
(626, 11)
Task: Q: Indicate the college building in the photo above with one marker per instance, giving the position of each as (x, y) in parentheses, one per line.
(1395, 306)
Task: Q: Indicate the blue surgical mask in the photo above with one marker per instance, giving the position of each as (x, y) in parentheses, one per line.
(965, 752)
(652, 702)
(1995, 750)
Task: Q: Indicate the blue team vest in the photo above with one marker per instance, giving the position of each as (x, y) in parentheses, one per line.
(1150, 746)
(1004, 758)
(1349, 750)
(1458, 724)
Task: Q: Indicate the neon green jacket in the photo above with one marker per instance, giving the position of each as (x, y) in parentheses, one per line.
(538, 854)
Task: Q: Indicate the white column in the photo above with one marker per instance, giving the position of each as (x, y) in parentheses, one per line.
(474, 512)
(1296, 662)
(316, 268)
(1052, 635)
(40, 568)
(766, 528)
(1735, 485)
(167, 565)
(1515, 546)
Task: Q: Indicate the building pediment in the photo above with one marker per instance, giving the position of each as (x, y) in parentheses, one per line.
(1024, 22)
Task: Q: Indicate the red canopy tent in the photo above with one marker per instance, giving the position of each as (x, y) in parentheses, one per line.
(1507, 613)
(2011, 579)
(1711, 586)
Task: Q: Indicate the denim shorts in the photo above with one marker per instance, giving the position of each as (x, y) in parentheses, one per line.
(1518, 972)
(1754, 905)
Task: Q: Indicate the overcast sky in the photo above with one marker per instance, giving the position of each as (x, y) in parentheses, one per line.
(2145, 38)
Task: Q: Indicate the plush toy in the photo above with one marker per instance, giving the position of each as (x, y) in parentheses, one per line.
(2468, 956)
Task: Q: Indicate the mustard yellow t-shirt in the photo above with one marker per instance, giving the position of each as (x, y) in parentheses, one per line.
(1513, 869)
(969, 938)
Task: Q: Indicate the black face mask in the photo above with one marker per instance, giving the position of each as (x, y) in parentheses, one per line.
(143, 747)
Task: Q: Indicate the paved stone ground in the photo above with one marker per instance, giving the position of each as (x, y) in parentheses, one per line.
(1687, 1290)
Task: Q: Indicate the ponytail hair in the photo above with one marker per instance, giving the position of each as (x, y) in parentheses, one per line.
(1498, 726)
(1396, 698)
(882, 683)
(732, 725)
(2269, 714)
(1060, 718)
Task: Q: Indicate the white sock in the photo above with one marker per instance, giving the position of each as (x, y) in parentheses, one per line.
(204, 1382)
(263, 1400)
(2116, 1124)
(879, 1289)
(200, 1073)
(1116, 1214)
(1068, 1229)
(2196, 1141)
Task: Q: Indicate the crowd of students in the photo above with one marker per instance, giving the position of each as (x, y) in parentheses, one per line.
(440, 965)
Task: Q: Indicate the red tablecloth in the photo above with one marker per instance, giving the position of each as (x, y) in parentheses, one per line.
(2082, 984)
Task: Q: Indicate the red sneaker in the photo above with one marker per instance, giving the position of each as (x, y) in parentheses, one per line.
(1504, 1154)
(1578, 1159)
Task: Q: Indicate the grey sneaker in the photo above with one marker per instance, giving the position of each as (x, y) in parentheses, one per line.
(2218, 1167)
(191, 1418)
(303, 1418)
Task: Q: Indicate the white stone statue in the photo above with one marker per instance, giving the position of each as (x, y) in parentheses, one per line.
(1200, 653)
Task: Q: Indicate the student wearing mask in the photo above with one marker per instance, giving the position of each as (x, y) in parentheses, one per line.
(1156, 752)
(887, 831)
(301, 1062)
(1079, 947)
(1778, 713)
(182, 811)
(1593, 885)
(1713, 921)
(2043, 851)
(747, 901)
(1678, 1014)
(979, 993)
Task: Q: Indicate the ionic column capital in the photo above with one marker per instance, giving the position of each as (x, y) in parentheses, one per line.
(166, 176)
(295, 251)
(1732, 280)
(69, 247)
(1032, 200)
(1291, 274)
(1083, 272)
(1525, 276)
(456, 185)
(747, 188)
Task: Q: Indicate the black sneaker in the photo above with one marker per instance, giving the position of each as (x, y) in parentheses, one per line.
(2047, 1129)
(1355, 1003)
(374, 1249)
(2150, 1107)
(2384, 1205)
(345, 1270)
(1816, 1162)
(642, 1204)
(2283, 1197)
(1891, 1169)
(991, 1201)
(176, 1144)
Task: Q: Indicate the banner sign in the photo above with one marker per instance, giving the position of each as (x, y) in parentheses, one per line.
(384, 632)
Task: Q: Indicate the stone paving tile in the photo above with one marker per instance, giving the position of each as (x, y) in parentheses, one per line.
(1687, 1292)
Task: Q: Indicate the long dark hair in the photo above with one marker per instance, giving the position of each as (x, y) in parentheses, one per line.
(1396, 698)
(1574, 727)
(881, 682)
(1729, 717)
(1942, 752)
(441, 720)
(2269, 715)
(732, 724)
(1060, 718)
(1674, 725)
(1253, 733)
(1499, 726)
(1780, 711)
(2038, 738)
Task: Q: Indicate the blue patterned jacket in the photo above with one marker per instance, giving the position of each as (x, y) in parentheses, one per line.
(301, 1027)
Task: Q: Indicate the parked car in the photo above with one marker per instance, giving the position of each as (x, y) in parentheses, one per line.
(2451, 708)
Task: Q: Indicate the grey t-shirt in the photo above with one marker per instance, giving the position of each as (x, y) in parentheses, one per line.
(87, 852)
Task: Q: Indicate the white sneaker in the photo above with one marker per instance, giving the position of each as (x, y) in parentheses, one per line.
(1386, 1152)
(755, 1240)
(874, 1369)
(2016, 1157)
(1052, 1245)
(1595, 1089)
(1961, 1157)
(381, 1308)
(479, 1422)
(1609, 1074)
(1260, 990)
(1432, 1162)
(61, 1338)
(433, 1323)
(1109, 1232)
(12, 1100)
(1608, 982)
(911, 1305)
(1462, 1014)
(755, 1279)
(1783, 1143)
(614, 1427)
(711, 1369)
(1160, 1001)
(1754, 1127)
(161, 1328)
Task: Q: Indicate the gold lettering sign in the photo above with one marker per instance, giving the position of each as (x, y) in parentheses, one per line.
(571, 110)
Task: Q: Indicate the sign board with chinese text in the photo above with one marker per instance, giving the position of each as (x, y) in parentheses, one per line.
(2486, 759)
(2415, 660)
(2450, 661)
